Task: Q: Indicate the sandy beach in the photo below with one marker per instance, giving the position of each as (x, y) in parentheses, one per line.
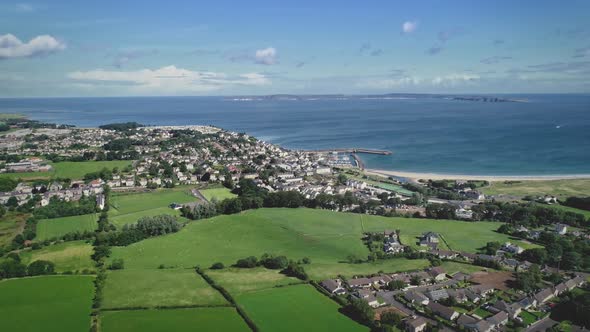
(436, 176)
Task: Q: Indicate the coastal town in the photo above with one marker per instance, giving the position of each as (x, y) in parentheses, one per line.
(488, 289)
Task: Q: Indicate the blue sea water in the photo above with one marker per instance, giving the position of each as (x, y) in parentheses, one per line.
(548, 135)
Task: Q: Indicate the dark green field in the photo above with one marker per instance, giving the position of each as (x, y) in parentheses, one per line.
(52, 304)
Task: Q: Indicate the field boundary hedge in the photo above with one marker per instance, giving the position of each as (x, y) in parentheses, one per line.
(229, 298)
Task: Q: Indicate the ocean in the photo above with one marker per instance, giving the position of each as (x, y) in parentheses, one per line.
(548, 135)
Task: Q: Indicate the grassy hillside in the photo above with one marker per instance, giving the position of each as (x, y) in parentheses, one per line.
(326, 237)
(51, 304)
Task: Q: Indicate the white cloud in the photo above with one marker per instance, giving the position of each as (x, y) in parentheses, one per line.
(409, 26)
(266, 56)
(169, 79)
(454, 79)
(12, 47)
(24, 7)
(389, 83)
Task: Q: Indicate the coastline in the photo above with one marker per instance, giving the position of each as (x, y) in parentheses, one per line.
(438, 176)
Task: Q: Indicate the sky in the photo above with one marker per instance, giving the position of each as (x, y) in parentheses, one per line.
(153, 48)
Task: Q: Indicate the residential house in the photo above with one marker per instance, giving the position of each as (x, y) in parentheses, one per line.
(561, 229)
(499, 319)
(416, 298)
(443, 311)
(417, 324)
(334, 286)
(359, 283)
(544, 295)
(437, 294)
(437, 273)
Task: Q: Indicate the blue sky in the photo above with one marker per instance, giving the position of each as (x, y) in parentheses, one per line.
(120, 48)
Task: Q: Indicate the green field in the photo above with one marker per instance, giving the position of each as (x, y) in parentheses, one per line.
(70, 169)
(10, 225)
(158, 288)
(237, 281)
(559, 188)
(326, 237)
(295, 308)
(219, 194)
(67, 256)
(53, 304)
(50, 228)
(131, 203)
(181, 320)
(320, 271)
(128, 208)
(130, 218)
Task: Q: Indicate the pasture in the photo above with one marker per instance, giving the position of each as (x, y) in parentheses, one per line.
(51, 303)
(130, 218)
(181, 320)
(237, 281)
(67, 256)
(326, 237)
(125, 203)
(56, 227)
(70, 169)
(218, 194)
(158, 288)
(295, 308)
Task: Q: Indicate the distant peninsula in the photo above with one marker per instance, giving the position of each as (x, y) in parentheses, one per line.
(474, 98)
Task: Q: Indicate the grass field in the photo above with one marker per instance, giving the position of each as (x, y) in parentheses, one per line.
(237, 281)
(70, 169)
(322, 271)
(326, 237)
(67, 256)
(295, 308)
(128, 208)
(181, 320)
(50, 228)
(131, 203)
(158, 288)
(52, 304)
(218, 194)
(559, 188)
(10, 225)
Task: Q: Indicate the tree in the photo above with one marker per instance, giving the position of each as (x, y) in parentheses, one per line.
(342, 178)
(117, 264)
(396, 284)
(248, 262)
(360, 311)
(391, 318)
(491, 247)
(12, 269)
(571, 260)
(40, 267)
(415, 280)
(295, 270)
(217, 266)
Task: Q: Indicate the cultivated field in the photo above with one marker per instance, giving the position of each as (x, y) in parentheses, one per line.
(218, 194)
(50, 228)
(68, 256)
(326, 237)
(178, 320)
(71, 170)
(52, 304)
(560, 188)
(158, 288)
(295, 308)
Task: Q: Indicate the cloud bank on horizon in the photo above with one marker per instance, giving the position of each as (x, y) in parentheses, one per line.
(60, 48)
